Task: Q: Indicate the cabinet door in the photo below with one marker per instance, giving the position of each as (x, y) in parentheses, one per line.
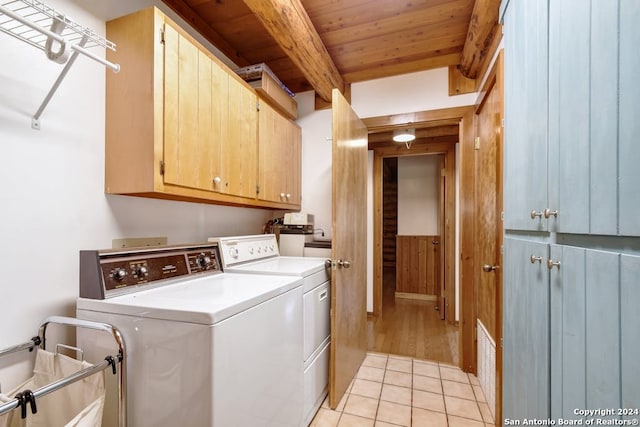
(240, 147)
(195, 108)
(293, 172)
(594, 336)
(525, 330)
(583, 112)
(525, 176)
(629, 334)
(629, 123)
(279, 157)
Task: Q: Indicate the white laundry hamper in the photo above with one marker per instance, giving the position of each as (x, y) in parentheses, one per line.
(76, 405)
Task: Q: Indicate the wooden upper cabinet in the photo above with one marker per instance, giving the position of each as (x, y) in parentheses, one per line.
(240, 143)
(279, 158)
(179, 123)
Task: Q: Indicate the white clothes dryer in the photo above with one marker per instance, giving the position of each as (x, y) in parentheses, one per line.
(258, 254)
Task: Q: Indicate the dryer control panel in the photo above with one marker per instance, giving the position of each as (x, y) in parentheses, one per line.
(108, 273)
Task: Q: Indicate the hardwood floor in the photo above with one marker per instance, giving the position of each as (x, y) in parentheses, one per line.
(411, 328)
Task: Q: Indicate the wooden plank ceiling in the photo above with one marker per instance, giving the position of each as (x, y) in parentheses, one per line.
(364, 39)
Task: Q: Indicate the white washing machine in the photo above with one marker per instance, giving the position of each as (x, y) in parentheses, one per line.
(258, 254)
(204, 348)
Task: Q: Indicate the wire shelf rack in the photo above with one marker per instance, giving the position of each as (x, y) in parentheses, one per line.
(51, 31)
(44, 16)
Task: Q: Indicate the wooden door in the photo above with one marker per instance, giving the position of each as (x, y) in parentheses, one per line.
(443, 226)
(418, 267)
(488, 224)
(349, 245)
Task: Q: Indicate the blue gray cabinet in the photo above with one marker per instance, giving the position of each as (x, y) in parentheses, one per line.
(525, 330)
(572, 193)
(593, 115)
(594, 330)
(525, 67)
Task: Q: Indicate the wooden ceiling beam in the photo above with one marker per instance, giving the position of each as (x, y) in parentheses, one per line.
(291, 27)
(482, 30)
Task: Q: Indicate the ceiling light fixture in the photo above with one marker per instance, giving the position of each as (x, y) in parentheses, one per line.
(405, 136)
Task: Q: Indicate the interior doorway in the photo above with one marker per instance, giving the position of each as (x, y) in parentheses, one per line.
(413, 205)
(437, 132)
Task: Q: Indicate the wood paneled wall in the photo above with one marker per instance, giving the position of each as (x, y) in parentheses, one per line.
(418, 265)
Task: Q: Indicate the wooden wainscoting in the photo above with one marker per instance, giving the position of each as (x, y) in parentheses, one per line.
(418, 267)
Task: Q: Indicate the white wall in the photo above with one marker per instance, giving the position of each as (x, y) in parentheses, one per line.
(419, 195)
(421, 91)
(52, 194)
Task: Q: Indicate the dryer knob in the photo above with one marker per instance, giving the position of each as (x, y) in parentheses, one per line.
(234, 252)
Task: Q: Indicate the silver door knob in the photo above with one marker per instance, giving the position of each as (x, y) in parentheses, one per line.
(489, 268)
(535, 214)
(535, 259)
(342, 263)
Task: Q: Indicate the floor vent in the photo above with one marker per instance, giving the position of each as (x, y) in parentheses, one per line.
(487, 366)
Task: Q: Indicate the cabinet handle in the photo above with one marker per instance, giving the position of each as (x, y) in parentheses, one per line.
(535, 259)
(548, 212)
(551, 263)
(535, 214)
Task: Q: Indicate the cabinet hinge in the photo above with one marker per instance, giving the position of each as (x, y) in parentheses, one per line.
(443, 172)
(257, 105)
(161, 167)
(501, 342)
(476, 143)
(257, 189)
(162, 35)
(502, 122)
(502, 249)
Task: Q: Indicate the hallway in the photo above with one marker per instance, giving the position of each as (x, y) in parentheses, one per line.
(411, 328)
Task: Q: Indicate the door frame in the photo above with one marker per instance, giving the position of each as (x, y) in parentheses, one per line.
(495, 77)
(464, 117)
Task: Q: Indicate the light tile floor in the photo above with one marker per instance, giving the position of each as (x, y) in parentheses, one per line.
(391, 390)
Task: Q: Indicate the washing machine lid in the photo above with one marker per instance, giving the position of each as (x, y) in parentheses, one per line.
(294, 266)
(205, 300)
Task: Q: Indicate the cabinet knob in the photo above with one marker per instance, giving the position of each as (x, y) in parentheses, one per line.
(535, 259)
(489, 268)
(535, 214)
(548, 213)
(217, 180)
(281, 196)
(551, 263)
(288, 196)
